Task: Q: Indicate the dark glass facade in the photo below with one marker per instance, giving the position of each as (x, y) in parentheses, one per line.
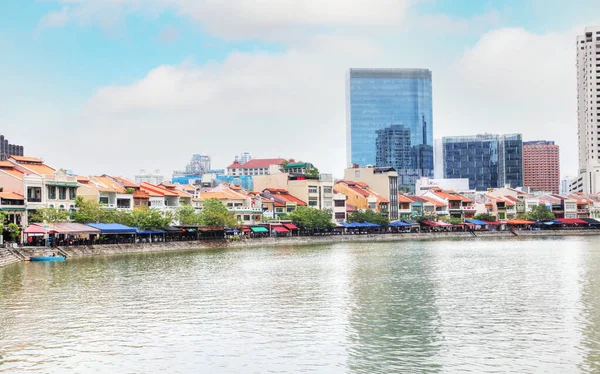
(392, 103)
(488, 161)
(7, 149)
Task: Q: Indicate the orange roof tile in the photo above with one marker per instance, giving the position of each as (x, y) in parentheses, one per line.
(126, 182)
(156, 190)
(14, 172)
(403, 199)
(26, 159)
(11, 196)
(41, 169)
(107, 184)
(434, 201)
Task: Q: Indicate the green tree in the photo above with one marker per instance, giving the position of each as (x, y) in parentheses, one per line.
(369, 216)
(312, 173)
(424, 217)
(452, 220)
(14, 231)
(541, 213)
(90, 211)
(50, 215)
(145, 219)
(214, 213)
(311, 218)
(130, 190)
(2, 221)
(487, 217)
(187, 215)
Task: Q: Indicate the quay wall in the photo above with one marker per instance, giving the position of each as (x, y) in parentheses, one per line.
(113, 249)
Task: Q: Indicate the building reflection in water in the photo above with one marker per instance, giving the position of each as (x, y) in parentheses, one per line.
(394, 325)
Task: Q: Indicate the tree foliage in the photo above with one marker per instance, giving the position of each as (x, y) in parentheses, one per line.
(368, 216)
(424, 217)
(541, 213)
(187, 215)
(49, 215)
(312, 173)
(214, 213)
(14, 231)
(2, 220)
(452, 220)
(311, 218)
(487, 217)
(90, 211)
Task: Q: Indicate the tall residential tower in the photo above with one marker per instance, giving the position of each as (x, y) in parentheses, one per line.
(588, 108)
(396, 103)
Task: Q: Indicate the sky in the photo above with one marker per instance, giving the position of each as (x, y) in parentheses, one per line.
(115, 86)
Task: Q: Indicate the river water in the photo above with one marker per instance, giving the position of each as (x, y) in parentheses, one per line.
(518, 305)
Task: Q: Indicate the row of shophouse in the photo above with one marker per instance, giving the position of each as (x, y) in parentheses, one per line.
(28, 184)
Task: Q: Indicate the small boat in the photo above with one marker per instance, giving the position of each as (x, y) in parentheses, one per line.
(47, 258)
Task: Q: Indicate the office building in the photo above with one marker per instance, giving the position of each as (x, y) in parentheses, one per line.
(588, 108)
(541, 166)
(395, 102)
(488, 161)
(7, 149)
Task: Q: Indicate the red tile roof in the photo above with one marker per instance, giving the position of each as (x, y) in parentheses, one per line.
(257, 163)
(404, 199)
(126, 182)
(156, 190)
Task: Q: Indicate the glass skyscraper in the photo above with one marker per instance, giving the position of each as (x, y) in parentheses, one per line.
(488, 161)
(383, 106)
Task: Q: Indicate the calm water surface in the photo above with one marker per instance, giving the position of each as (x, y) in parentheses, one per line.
(476, 306)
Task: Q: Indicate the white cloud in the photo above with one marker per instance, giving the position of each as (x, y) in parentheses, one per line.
(513, 81)
(55, 19)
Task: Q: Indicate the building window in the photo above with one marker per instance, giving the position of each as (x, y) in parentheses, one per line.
(104, 200)
(312, 189)
(339, 203)
(72, 193)
(246, 217)
(62, 193)
(51, 192)
(340, 215)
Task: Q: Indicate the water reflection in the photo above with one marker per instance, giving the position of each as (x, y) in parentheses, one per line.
(394, 324)
(451, 306)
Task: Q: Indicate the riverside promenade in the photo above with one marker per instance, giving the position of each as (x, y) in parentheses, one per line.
(115, 249)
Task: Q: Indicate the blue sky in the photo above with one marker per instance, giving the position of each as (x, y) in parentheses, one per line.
(131, 84)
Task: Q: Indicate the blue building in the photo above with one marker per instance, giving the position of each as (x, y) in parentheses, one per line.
(488, 161)
(396, 102)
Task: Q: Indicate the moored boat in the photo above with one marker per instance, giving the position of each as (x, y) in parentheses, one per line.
(47, 258)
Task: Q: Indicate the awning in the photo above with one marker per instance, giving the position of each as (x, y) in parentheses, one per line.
(571, 221)
(520, 222)
(477, 222)
(591, 221)
(444, 224)
(291, 226)
(399, 224)
(280, 229)
(113, 228)
(172, 229)
(246, 229)
(493, 223)
(429, 223)
(35, 229)
(150, 232)
(259, 229)
(61, 228)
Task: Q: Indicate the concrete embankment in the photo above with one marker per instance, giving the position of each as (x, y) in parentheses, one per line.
(113, 249)
(7, 258)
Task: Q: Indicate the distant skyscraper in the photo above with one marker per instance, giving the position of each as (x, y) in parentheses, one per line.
(588, 108)
(379, 99)
(438, 159)
(244, 157)
(7, 149)
(488, 161)
(541, 166)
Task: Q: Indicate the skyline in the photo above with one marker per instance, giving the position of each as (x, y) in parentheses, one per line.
(114, 87)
